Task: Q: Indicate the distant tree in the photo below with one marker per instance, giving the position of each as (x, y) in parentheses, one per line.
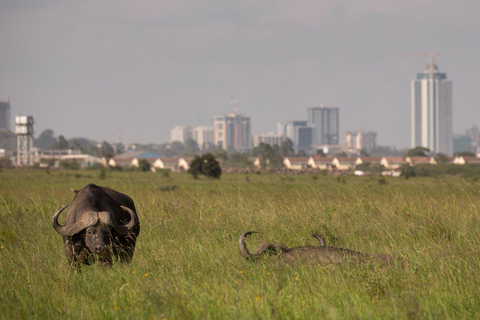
(418, 152)
(286, 148)
(205, 165)
(46, 139)
(82, 142)
(143, 165)
(408, 171)
(268, 155)
(220, 153)
(211, 167)
(208, 147)
(363, 153)
(5, 162)
(385, 151)
(163, 149)
(8, 140)
(176, 148)
(255, 152)
(71, 165)
(191, 148)
(196, 167)
(238, 160)
(75, 145)
(106, 150)
(267, 152)
(119, 148)
(93, 151)
(441, 158)
(464, 154)
(340, 154)
(61, 144)
(321, 153)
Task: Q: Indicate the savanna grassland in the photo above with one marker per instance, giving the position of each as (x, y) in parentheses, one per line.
(187, 266)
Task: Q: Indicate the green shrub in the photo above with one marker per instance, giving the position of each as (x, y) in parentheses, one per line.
(143, 165)
(205, 165)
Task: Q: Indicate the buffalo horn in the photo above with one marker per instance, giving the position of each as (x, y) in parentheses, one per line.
(121, 229)
(320, 239)
(87, 220)
(260, 249)
(60, 229)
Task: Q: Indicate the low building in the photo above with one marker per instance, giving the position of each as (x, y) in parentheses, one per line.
(368, 160)
(344, 163)
(272, 138)
(127, 159)
(464, 160)
(54, 157)
(296, 163)
(174, 164)
(419, 160)
(320, 162)
(392, 162)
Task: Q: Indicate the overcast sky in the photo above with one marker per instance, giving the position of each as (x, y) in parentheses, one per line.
(86, 68)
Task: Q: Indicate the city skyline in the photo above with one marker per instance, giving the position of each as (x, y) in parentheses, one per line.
(84, 69)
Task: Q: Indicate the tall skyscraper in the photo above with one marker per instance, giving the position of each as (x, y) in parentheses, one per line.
(432, 118)
(5, 114)
(298, 132)
(232, 132)
(324, 122)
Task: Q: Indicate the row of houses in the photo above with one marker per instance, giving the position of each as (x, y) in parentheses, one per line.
(349, 163)
(173, 164)
(132, 159)
(299, 163)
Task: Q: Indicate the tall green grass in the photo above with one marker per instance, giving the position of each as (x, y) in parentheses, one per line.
(186, 264)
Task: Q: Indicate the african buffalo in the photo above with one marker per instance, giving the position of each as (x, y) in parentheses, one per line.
(320, 254)
(101, 224)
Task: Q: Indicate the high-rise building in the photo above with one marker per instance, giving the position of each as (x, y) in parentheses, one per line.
(204, 136)
(298, 132)
(5, 114)
(360, 140)
(474, 135)
(432, 118)
(181, 134)
(324, 122)
(232, 132)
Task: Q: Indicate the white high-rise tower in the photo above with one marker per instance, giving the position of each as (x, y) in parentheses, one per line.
(432, 118)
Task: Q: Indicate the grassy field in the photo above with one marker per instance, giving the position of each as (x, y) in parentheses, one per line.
(187, 266)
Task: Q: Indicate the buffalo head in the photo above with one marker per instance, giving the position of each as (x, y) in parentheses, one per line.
(97, 235)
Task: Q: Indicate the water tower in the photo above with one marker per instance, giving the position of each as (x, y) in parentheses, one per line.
(24, 132)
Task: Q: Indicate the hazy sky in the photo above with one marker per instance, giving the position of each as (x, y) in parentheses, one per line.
(84, 68)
